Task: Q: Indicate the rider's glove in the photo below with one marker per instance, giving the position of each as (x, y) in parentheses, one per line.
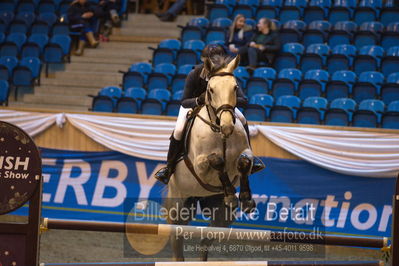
(201, 99)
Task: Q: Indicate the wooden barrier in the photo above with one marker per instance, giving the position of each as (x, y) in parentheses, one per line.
(218, 232)
(225, 263)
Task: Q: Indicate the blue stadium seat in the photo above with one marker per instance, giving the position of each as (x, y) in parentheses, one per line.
(40, 27)
(316, 32)
(223, 23)
(312, 111)
(185, 69)
(368, 86)
(390, 37)
(7, 63)
(316, 10)
(61, 28)
(255, 112)
(18, 38)
(18, 26)
(289, 56)
(268, 9)
(194, 29)
(112, 92)
(49, 18)
(26, 6)
(390, 89)
(133, 79)
(315, 57)
(292, 31)
(35, 66)
(137, 93)
(215, 34)
(30, 49)
(368, 114)
(369, 33)
(195, 45)
(4, 92)
(313, 83)
(292, 9)
(389, 13)
(390, 62)
(342, 33)
(340, 85)
(390, 119)
(173, 106)
(340, 112)
(22, 76)
(264, 100)
(7, 5)
(242, 76)
(142, 67)
(9, 49)
(63, 7)
(6, 17)
(28, 17)
(341, 58)
(286, 82)
(127, 105)
(368, 59)
(218, 10)
(2, 37)
(261, 81)
(178, 82)
(161, 77)
(46, 6)
(102, 103)
(342, 10)
(245, 7)
(156, 102)
(285, 109)
(162, 55)
(367, 10)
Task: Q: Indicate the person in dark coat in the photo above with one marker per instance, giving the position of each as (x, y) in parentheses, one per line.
(110, 17)
(81, 15)
(263, 46)
(193, 96)
(239, 35)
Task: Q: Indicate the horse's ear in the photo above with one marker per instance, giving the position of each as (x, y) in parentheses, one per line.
(233, 64)
(208, 64)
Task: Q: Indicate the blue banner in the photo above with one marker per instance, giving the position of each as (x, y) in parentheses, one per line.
(95, 186)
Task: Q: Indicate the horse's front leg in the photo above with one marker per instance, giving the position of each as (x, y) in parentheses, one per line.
(244, 166)
(217, 163)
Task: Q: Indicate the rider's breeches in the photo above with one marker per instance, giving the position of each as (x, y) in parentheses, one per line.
(182, 117)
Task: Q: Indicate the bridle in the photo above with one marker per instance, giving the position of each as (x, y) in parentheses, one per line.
(215, 125)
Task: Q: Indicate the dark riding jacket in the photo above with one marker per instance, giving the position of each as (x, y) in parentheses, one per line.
(196, 85)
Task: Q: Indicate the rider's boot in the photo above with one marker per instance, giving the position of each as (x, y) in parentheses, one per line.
(257, 165)
(165, 173)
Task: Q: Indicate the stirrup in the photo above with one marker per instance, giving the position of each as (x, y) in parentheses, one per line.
(163, 175)
(257, 165)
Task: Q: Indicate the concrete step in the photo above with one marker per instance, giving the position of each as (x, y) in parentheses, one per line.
(90, 67)
(84, 78)
(66, 90)
(46, 99)
(52, 107)
(131, 53)
(106, 60)
(137, 20)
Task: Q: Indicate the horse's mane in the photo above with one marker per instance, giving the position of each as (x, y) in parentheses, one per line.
(219, 62)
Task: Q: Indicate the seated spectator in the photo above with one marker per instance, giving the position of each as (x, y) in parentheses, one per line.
(263, 46)
(81, 15)
(172, 12)
(110, 17)
(239, 35)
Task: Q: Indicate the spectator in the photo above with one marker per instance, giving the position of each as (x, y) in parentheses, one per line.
(110, 17)
(239, 35)
(172, 12)
(81, 15)
(263, 45)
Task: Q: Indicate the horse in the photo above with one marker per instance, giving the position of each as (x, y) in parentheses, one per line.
(218, 157)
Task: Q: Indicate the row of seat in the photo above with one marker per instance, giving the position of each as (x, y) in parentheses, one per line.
(340, 10)
(43, 6)
(342, 57)
(26, 20)
(320, 31)
(37, 45)
(318, 111)
(23, 73)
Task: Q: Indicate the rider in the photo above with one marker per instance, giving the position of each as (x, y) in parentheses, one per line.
(193, 96)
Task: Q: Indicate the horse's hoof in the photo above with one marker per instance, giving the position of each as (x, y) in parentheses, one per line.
(231, 201)
(248, 206)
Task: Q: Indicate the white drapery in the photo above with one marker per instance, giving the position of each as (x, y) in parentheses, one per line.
(368, 154)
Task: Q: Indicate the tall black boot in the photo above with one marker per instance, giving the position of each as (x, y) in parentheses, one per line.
(165, 173)
(257, 165)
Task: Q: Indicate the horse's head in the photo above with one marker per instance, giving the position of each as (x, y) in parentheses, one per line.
(221, 91)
